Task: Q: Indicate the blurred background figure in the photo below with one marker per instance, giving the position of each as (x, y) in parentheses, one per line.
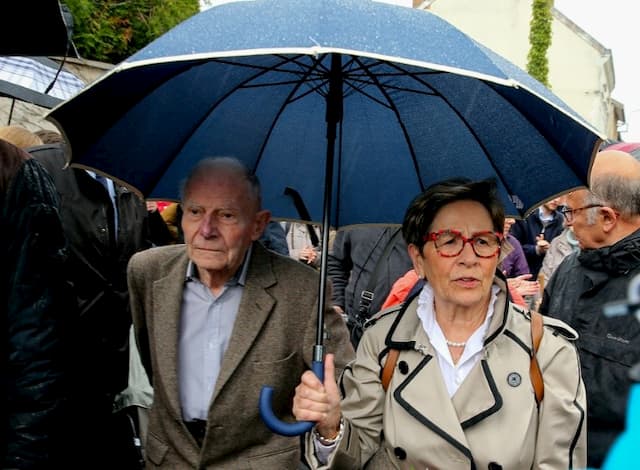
(34, 312)
(536, 232)
(303, 241)
(19, 136)
(363, 263)
(514, 263)
(561, 246)
(105, 224)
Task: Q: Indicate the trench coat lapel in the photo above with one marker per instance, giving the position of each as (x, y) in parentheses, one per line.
(423, 393)
(478, 396)
(254, 309)
(167, 300)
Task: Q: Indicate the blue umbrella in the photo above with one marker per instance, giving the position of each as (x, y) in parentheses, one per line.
(356, 106)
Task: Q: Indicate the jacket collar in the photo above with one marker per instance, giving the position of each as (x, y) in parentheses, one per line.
(617, 259)
(403, 331)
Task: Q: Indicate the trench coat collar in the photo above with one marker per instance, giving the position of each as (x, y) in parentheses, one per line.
(406, 328)
(476, 399)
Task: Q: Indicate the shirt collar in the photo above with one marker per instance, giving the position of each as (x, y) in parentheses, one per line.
(239, 278)
(427, 317)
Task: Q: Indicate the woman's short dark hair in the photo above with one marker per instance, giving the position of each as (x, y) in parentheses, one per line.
(423, 209)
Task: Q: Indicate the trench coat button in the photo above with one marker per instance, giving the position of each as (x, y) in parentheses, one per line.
(403, 367)
(514, 379)
(401, 454)
(494, 466)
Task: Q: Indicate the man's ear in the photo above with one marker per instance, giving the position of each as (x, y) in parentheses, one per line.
(609, 218)
(262, 219)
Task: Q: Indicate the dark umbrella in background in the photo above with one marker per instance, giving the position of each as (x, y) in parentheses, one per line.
(356, 105)
(36, 80)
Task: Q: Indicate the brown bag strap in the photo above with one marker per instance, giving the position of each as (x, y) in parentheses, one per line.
(387, 371)
(537, 328)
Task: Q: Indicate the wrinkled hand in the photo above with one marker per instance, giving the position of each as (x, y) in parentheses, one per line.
(523, 285)
(319, 402)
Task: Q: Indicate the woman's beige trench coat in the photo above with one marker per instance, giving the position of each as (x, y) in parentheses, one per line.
(491, 422)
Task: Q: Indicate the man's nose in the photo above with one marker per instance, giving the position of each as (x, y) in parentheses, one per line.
(208, 226)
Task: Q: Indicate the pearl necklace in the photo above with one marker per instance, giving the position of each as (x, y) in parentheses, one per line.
(455, 344)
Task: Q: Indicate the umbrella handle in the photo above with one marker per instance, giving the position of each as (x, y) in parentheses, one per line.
(272, 421)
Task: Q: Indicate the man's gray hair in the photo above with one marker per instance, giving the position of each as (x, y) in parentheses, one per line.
(212, 164)
(618, 192)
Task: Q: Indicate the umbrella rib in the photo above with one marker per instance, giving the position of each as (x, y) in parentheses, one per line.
(393, 108)
(277, 68)
(281, 110)
(460, 116)
(262, 71)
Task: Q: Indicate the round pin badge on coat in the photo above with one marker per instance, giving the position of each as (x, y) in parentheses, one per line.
(514, 379)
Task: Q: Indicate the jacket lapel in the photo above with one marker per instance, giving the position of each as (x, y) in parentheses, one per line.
(478, 396)
(423, 393)
(254, 309)
(167, 300)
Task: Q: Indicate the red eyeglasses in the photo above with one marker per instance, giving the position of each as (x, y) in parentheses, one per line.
(450, 243)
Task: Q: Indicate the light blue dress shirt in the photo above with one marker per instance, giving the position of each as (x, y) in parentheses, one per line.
(206, 324)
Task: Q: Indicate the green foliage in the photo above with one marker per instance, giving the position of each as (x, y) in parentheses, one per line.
(112, 30)
(540, 40)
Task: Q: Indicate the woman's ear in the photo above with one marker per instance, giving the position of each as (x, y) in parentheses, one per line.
(417, 259)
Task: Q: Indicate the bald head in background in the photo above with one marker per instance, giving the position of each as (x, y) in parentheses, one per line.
(610, 210)
(614, 163)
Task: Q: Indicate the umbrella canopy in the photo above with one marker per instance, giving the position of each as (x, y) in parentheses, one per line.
(37, 80)
(410, 99)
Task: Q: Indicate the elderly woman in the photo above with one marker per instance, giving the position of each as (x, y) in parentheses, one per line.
(460, 395)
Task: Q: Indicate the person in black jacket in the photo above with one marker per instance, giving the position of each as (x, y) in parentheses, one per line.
(105, 224)
(369, 260)
(34, 303)
(536, 232)
(606, 223)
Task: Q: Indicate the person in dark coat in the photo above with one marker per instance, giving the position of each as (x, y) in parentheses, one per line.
(105, 224)
(34, 302)
(353, 260)
(606, 222)
(536, 232)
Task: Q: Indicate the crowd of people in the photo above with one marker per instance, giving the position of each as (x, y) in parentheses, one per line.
(138, 334)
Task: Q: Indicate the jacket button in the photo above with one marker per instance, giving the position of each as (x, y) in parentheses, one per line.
(495, 466)
(403, 367)
(401, 454)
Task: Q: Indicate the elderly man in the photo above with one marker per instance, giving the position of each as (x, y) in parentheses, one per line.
(218, 318)
(606, 222)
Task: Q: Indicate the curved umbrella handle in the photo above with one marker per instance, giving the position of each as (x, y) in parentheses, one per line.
(272, 421)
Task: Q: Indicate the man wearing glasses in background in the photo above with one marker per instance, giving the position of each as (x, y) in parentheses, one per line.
(606, 222)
